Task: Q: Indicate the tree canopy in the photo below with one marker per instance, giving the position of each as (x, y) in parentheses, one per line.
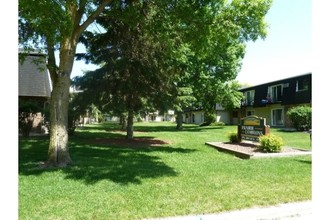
(186, 52)
(177, 50)
(48, 26)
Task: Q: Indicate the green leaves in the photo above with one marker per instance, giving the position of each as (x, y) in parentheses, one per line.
(45, 18)
(186, 52)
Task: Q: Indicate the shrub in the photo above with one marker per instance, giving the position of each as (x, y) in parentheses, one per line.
(27, 110)
(270, 143)
(220, 123)
(209, 118)
(233, 137)
(72, 118)
(301, 117)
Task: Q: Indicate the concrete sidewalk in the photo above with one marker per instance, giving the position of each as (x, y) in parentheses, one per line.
(289, 211)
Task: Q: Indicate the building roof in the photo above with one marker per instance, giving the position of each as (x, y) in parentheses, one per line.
(272, 82)
(34, 79)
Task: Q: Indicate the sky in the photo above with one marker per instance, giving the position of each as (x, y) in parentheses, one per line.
(286, 51)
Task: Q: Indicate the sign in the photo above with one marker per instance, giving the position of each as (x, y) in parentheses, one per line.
(251, 128)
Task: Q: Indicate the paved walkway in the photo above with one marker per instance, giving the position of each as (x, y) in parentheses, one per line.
(289, 211)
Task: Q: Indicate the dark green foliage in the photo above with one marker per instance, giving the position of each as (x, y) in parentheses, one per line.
(270, 143)
(209, 118)
(26, 113)
(233, 137)
(153, 50)
(301, 117)
(72, 117)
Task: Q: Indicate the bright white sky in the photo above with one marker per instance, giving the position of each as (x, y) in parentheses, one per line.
(286, 51)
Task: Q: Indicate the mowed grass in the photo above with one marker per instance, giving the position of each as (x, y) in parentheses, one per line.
(184, 176)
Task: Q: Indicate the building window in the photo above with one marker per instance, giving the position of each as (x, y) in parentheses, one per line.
(275, 93)
(248, 98)
(301, 85)
(277, 117)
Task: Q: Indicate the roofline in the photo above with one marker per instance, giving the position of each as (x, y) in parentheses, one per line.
(305, 74)
(31, 52)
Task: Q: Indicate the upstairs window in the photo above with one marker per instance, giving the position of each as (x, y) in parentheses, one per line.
(248, 98)
(275, 93)
(301, 85)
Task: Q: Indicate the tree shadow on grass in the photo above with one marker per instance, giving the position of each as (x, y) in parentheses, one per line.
(186, 127)
(94, 163)
(147, 127)
(308, 161)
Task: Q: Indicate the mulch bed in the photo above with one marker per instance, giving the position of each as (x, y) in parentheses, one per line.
(135, 142)
(249, 150)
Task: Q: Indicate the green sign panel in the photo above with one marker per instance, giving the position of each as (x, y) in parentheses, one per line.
(252, 127)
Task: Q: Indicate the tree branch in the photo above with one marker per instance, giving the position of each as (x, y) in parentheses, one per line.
(51, 65)
(93, 16)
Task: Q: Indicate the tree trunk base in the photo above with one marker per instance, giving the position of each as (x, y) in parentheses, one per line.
(51, 164)
(179, 127)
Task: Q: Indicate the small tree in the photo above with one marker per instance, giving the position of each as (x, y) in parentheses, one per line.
(301, 117)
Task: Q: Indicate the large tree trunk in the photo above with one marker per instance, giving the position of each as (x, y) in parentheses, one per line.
(179, 120)
(130, 122)
(58, 152)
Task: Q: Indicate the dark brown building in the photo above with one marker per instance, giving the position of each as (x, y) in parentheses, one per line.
(272, 100)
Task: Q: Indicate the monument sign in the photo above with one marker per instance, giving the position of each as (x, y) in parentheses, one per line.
(251, 128)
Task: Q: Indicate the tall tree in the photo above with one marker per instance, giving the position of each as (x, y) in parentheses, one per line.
(131, 59)
(49, 26)
(212, 42)
(202, 43)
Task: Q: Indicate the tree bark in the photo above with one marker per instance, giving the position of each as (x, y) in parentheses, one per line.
(123, 121)
(58, 151)
(179, 120)
(75, 23)
(130, 122)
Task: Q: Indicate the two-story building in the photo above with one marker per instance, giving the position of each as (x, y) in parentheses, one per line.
(197, 116)
(272, 100)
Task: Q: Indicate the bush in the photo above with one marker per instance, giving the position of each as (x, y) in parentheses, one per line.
(209, 118)
(220, 123)
(301, 117)
(270, 143)
(233, 137)
(27, 110)
(72, 117)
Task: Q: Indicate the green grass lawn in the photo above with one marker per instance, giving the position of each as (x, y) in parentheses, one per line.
(184, 176)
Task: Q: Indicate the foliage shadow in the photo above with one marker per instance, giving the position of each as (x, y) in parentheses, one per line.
(94, 163)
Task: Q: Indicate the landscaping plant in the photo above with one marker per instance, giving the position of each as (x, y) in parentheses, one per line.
(233, 137)
(271, 143)
(301, 117)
